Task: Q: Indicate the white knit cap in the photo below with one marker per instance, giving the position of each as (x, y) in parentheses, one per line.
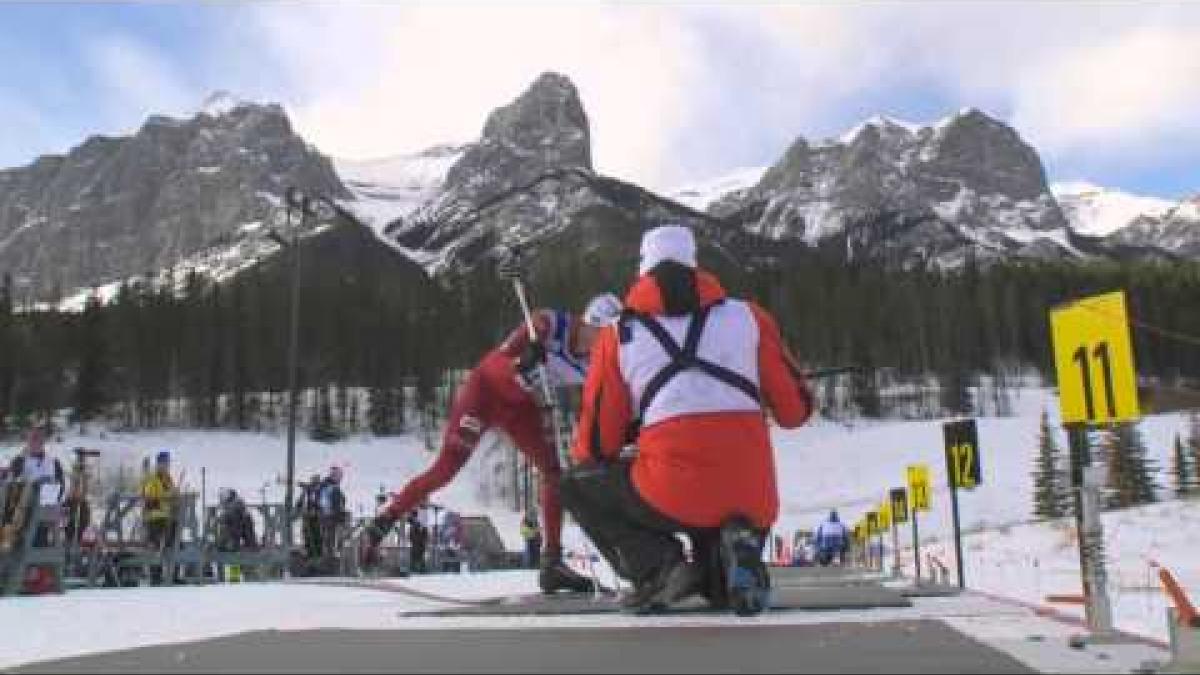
(603, 310)
(671, 242)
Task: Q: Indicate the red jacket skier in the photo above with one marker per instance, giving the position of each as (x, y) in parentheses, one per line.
(687, 378)
(502, 393)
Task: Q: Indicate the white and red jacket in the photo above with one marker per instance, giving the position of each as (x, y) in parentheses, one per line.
(697, 403)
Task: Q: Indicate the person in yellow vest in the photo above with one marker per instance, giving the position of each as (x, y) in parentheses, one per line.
(531, 533)
(158, 504)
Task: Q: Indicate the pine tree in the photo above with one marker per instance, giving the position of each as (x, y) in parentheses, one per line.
(1051, 498)
(1193, 448)
(1130, 471)
(1182, 469)
(88, 396)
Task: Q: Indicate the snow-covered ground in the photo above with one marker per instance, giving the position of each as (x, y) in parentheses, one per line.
(828, 466)
(823, 466)
(1031, 561)
(45, 628)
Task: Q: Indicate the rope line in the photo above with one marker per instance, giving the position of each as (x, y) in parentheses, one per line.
(1149, 327)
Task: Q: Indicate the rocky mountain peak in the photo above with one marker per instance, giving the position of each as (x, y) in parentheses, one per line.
(115, 207)
(964, 183)
(987, 154)
(544, 128)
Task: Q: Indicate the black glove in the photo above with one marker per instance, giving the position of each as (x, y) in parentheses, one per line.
(533, 356)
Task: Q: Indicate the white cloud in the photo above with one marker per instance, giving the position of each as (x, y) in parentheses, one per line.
(136, 79)
(678, 92)
(1139, 90)
(399, 78)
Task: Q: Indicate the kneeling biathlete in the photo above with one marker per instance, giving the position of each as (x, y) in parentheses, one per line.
(686, 376)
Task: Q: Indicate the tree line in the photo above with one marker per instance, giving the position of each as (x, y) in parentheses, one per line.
(378, 339)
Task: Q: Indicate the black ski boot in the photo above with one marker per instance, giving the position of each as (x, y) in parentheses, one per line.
(555, 576)
(673, 580)
(747, 581)
(682, 581)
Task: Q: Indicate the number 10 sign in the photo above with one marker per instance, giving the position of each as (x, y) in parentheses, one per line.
(1094, 360)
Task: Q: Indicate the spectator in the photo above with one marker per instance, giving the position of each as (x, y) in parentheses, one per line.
(310, 516)
(833, 541)
(31, 466)
(159, 494)
(418, 540)
(331, 505)
(34, 465)
(531, 533)
(236, 524)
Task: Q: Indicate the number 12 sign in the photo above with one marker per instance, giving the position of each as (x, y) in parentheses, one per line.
(1094, 360)
(962, 454)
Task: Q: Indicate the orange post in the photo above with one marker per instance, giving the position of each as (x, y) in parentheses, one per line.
(1066, 599)
(1183, 606)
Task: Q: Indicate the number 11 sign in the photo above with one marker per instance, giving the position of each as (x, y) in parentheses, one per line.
(1094, 360)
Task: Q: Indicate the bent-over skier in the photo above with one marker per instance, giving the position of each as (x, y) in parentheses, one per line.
(501, 393)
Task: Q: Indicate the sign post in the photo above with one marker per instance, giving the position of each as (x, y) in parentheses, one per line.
(963, 472)
(872, 531)
(918, 488)
(885, 524)
(1097, 385)
(899, 497)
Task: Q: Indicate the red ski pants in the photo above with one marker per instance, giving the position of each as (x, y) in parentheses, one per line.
(471, 414)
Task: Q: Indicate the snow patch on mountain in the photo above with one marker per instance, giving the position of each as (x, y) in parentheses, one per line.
(702, 194)
(1098, 211)
(388, 189)
(220, 103)
(1188, 209)
(884, 123)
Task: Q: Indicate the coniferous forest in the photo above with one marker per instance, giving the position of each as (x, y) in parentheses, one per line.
(378, 337)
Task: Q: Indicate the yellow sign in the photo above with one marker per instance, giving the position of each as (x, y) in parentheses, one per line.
(918, 487)
(1097, 383)
(899, 497)
(885, 516)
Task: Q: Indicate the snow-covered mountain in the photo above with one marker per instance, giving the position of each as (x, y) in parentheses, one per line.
(1098, 211)
(116, 207)
(1176, 231)
(529, 181)
(965, 186)
(196, 193)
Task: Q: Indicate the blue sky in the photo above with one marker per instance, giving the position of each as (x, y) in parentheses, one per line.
(1107, 92)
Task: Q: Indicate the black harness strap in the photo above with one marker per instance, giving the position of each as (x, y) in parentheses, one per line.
(682, 359)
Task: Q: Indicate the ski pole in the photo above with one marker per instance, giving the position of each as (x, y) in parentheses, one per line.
(519, 288)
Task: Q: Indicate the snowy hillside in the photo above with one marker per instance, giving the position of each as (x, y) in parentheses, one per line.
(1031, 561)
(828, 466)
(823, 466)
(390, 188)
(701, 195)
(1099, 211)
